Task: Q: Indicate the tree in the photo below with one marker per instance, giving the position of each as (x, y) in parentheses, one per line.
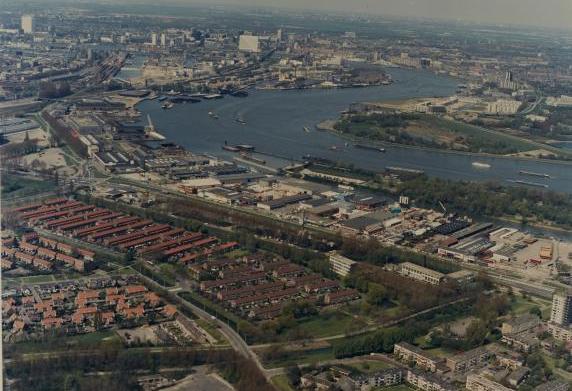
(536, 311)
(376, 295)
(130, 255)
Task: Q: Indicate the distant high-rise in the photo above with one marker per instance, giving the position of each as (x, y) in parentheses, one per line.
(163, 39)
(249, 43)
(562, 308)
(154, 39)
(279, 35)
(27, 24)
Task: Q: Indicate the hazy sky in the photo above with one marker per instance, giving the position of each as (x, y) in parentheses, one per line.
(550, 13)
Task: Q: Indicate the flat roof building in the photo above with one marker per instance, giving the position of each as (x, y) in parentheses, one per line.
(341, 265)
(421, 273)
(249, 43)
(409, 353)
(561, 313)
(480, 383)
(27, 24)
(469, 360)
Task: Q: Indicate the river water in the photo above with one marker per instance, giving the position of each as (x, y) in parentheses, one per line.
(275, 122)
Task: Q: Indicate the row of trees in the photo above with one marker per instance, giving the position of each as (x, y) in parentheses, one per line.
(490, 199)
(69, 369)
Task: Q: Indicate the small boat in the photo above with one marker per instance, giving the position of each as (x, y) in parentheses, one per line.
(230, 148)
(162, 98)
(240, 121)
(213, 115)
(537, 174)
(167, 106)
(306, 129)
(370, 147)
(334, 148)
(527, 183)
(481, 165)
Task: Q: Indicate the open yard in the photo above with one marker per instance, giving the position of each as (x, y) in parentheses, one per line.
(281, 383)
(327, 324)
(15, 186)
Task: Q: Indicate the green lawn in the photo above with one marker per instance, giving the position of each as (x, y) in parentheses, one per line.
(212, 330)
(15, 186)
(10, 282)
(370, 366)
(441, 352)
(281, 383)
(400, 387)
(303, 357)
(59, 343)
(326, 324)
(522, 305)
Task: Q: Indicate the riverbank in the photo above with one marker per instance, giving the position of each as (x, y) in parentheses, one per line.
(327, 126)
(270, 126)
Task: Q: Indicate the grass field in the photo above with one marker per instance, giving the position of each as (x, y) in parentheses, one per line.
(281, 383)
(522, 305)
(59, 343)
(400, 387)
(212, 330)
(303, 357)
(369, 366)
(15, 186)
(326, 324)
(434, 132)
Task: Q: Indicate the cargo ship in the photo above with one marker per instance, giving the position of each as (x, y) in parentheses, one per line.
(238, 148)
(536, 174)
(404, 170)
(370, 147)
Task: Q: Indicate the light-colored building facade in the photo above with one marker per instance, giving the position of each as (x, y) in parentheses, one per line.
(420, 273)
(27, 24)
(426, 381)
(412, 354)
(249, 43)
(480, 383)
(561, 333)
(467, 361)
(341, 265)
(561, 308)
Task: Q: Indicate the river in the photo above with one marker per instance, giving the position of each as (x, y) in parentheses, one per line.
(275, 122)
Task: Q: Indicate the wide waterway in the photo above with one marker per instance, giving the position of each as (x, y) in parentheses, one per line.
(275, 121)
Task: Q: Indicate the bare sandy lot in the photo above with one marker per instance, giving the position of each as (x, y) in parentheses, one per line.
(34, 134)
(201, 380)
